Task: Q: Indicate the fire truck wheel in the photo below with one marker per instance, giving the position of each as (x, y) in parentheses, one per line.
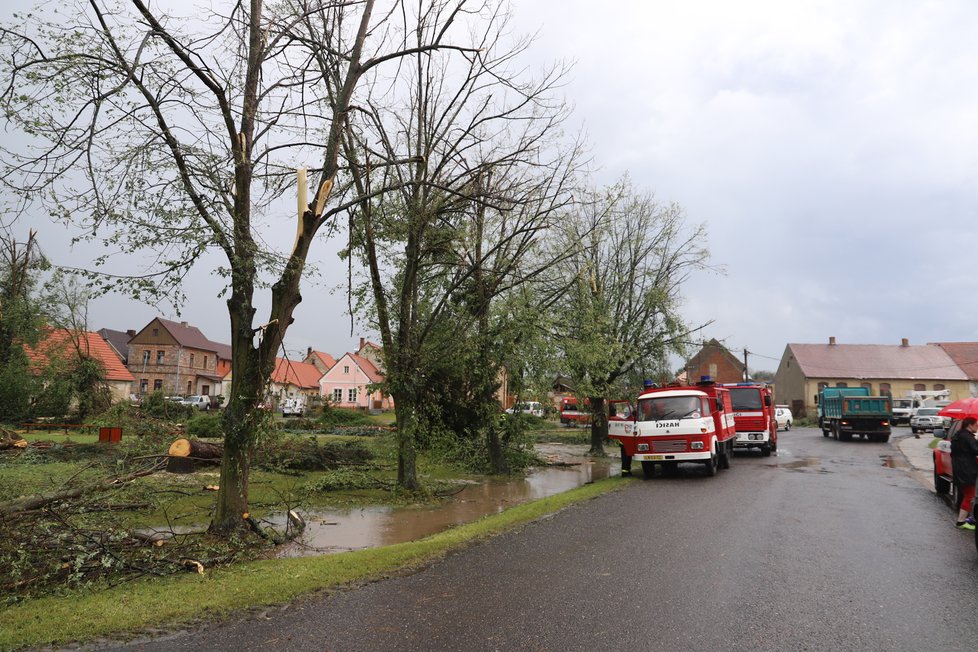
(648, 469)
(711, 465)
(670, 468)
(766, 451)
(724, 461)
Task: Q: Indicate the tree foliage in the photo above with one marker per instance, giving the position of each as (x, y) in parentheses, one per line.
(472, 147)
(618, 297)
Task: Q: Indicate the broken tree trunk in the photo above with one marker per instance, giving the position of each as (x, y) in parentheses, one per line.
(186, 454)
(10, 439)
(196, 449)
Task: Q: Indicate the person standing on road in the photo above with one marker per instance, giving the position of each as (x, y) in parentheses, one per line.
(964, 464)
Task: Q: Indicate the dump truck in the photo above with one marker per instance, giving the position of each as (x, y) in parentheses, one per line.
(847, 411)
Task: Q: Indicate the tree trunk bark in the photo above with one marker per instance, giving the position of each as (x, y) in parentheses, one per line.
(407, 428)
(599, 426)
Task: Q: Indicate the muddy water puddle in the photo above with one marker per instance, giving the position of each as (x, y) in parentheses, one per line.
(368, 527)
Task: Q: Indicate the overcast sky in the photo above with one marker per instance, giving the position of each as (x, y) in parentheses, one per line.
(830, 148)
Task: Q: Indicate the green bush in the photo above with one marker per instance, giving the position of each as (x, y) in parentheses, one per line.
(339, 417)
(204, 424)
(156, 405)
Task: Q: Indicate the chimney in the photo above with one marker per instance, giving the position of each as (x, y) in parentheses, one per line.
(308, 351)
(832, 341)
(131, 333)
(362, 342)
(904, 342)
(184, 324)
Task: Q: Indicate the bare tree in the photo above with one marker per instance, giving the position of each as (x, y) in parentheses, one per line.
(175, 135)
(621, 309)
(474, 147)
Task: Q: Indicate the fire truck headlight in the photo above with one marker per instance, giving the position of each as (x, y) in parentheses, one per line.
(696, 445)
(643, 447)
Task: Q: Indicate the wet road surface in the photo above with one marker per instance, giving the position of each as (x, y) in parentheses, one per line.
(827, 545)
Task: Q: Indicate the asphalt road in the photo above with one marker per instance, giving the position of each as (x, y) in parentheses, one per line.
(827, 545)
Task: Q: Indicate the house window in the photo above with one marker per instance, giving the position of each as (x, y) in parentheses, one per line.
(885, 389)
(190, 385)
(157, 385)
(346, 368)
(191, 359)
(205, 362)
(868, 386)
(920, 387)
(159, 356)
(156, 332)
(146, 355)
(205, 390)
(938, 387)
(842, 384)
(337, 395)
(352, 394)
(143, 386)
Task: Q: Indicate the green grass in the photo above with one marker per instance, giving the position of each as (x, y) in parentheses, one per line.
(127, 609)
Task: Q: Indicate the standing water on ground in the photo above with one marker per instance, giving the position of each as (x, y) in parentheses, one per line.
(370, 527)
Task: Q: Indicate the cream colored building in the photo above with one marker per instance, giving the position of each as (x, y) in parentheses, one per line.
(895, 370)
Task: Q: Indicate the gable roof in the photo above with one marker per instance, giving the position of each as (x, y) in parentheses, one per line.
(118, 340)
(923, 362)
(368, 368)
(191, 337)
(964, 354)
(300, 374)
(59, 343)
(325, 358)
(714, 344)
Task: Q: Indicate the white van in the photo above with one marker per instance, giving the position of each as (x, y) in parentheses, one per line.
(527, 407)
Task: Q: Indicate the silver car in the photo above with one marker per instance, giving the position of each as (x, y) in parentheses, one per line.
(927, 419)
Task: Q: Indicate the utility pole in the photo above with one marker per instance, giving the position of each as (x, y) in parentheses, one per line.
(746, 375)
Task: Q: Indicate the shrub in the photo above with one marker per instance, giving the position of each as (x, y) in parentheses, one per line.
(339, 417)
(204, 424)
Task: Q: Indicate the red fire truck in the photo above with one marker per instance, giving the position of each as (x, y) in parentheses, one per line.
(753, 406)
(570, 415)
(676, 424)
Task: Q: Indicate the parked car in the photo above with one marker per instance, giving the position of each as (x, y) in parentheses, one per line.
(782, 414)
(927, 419)
(527, 407)
(293, 407)
(198, 402)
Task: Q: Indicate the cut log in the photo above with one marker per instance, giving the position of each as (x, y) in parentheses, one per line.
(196, 449)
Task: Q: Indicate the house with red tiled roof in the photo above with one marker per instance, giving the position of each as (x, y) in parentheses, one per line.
(885, 369)
(351, 383)
(965, 355)
(60, 345)
(290, 379)
(322, 361)
(177, 359)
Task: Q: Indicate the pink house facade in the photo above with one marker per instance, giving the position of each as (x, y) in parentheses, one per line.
(348, 384)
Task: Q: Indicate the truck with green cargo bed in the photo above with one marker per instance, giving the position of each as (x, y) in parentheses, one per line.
(847, 411)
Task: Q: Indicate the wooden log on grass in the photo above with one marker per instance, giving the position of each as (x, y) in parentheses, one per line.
(199, 450)
(187, 454)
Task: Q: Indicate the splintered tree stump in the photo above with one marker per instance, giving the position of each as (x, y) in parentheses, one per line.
(187, 454)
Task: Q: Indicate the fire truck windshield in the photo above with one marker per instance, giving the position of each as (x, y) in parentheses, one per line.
(672, 407)
(745, 398)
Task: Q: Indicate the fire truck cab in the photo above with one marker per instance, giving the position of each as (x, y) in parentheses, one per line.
(753, 411)
(675, 424)
(571, 414)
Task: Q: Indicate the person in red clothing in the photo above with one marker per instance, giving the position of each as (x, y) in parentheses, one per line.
(964, 464)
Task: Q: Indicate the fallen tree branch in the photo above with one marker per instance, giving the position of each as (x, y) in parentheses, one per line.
(32, 503)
